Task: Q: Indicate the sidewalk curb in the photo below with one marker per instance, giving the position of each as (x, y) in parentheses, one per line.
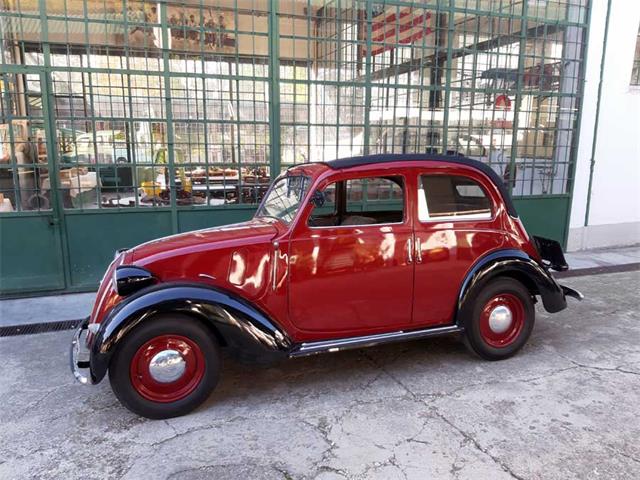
(582, 272)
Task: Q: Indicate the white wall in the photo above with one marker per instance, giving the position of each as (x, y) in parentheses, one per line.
(614, 217)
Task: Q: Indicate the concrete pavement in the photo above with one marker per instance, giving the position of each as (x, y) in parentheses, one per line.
(603, 257)
(45, 309)
(566, 407)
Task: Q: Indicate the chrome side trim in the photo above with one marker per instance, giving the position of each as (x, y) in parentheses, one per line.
(274, 270)
(313, 348)
(365, 225)
(458, 218)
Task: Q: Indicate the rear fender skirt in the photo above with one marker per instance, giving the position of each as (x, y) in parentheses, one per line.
(245, 329)
(514, 262)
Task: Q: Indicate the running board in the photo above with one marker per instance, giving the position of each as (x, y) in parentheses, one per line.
(337, 345)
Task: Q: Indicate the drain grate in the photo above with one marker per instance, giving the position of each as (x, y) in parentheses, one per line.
(32, 328)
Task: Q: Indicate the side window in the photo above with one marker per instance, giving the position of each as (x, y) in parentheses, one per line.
(366, 201)
(448, 197)
(325, 210)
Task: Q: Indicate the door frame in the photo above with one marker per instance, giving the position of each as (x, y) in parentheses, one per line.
(53, 215)
(300, 231)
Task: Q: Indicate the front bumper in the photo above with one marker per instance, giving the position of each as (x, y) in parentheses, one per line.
(79, 354)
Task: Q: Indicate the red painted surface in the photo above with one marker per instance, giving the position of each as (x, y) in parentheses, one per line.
(147, 387)
(361, 273)
(449, 249)
(506, 338)
(337, 281)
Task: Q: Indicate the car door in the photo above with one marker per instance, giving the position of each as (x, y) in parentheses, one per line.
(456, 223)
(350, 258)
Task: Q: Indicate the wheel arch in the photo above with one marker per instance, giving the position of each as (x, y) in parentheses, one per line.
(524, 279)
(207, 323)
(235, 322)
(516, 264)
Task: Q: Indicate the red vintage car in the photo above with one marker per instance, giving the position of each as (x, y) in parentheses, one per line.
(343, 254)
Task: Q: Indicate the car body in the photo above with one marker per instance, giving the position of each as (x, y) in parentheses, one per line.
(342, 254)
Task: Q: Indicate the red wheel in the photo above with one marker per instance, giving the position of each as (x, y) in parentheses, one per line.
(502, 320)
(167, 368)
(498, 319)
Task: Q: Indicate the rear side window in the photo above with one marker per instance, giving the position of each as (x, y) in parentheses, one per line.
(452, 197)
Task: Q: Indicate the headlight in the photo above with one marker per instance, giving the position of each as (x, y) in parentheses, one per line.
(129, 278)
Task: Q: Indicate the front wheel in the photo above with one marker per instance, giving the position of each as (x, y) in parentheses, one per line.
(499, 319)
(165, 367)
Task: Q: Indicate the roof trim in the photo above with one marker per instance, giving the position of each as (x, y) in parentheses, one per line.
(343, 163)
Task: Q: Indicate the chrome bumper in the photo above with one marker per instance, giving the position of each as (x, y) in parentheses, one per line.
(79, 355)
(570, 292)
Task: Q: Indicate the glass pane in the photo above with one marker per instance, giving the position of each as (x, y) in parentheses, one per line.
(24, 173)
(443, 196)
(374, 200)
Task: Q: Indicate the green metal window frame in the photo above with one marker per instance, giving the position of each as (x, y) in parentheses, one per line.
(327, 94)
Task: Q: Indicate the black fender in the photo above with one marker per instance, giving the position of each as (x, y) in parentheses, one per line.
(516, 264)
(243, 327)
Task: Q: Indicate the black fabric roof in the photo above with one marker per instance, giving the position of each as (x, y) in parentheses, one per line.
(454, 159)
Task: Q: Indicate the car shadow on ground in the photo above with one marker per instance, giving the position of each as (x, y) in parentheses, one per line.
(347, 369)
(443, 362)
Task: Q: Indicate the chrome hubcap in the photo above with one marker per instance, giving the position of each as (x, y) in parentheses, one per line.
(167, 366)
(500, 319)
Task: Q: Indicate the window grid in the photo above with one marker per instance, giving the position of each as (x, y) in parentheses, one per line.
(171, 104)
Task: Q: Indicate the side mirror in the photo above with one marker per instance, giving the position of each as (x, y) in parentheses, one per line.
(318, 199)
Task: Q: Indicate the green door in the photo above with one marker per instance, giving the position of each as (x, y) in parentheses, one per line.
(31, 256)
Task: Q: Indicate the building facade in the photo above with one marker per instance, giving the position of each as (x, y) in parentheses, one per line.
(606, 198)
(124, 121)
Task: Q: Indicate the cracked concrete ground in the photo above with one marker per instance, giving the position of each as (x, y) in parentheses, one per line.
(566, 407)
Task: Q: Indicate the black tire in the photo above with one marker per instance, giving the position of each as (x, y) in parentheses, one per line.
(479, 338)
(164, 326)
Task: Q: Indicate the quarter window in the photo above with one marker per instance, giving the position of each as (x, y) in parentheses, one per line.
(451, 197)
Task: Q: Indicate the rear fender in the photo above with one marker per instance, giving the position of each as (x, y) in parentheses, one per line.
(519, 265)
(243, 328)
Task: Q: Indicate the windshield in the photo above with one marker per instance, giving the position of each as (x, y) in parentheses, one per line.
(284, 198)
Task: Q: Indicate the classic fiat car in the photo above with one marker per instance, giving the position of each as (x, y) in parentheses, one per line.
(344, 254)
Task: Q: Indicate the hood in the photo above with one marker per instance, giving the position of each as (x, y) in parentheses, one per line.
(255, 230)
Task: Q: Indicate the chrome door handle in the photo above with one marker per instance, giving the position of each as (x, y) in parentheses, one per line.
(410, 250)
(274, 267)
(418, 250)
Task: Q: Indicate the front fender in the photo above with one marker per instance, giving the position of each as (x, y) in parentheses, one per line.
(244, 328)
(517, 264)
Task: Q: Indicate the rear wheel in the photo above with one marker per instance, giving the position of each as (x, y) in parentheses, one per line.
(165, 367)
(499, 319)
